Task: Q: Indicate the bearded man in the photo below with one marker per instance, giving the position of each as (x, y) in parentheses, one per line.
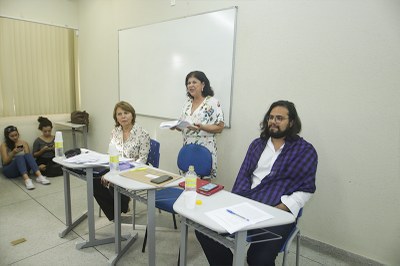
(279, 170)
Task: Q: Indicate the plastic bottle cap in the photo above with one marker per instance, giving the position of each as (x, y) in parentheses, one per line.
(199, 202)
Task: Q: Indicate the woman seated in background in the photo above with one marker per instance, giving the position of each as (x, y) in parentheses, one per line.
(17, 159)
(205, 112)
(131, 141)
(43, 149)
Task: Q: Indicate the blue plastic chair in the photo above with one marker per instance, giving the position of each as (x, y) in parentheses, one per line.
(154, 154)
(196, 155)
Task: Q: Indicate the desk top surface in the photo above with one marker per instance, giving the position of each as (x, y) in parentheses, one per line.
(223, 199)
(60, 160)
(131, 184)
(103, 160)
(69, 124)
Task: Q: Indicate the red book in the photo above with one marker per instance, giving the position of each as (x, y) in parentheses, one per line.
(201, 183)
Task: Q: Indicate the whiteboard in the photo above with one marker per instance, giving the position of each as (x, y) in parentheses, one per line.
(155, 59)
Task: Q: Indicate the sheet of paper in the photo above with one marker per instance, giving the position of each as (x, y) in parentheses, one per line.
(235, 217)
(169, 124)
(181, 124)
(93, 158)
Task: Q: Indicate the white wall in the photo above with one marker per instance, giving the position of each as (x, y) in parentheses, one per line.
(62, 13)
(338, 61)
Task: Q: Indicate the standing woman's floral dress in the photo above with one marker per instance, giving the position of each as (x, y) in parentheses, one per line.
(209, 112)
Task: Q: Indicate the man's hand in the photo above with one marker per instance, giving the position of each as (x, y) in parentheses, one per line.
(282, 207)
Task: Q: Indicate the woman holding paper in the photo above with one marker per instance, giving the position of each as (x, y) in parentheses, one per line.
(131, 141)
(205, 114)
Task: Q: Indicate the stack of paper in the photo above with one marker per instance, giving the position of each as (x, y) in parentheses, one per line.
(238, 216)
(181, 124)
(92, 158)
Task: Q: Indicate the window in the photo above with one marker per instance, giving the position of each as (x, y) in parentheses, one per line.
(37, 69)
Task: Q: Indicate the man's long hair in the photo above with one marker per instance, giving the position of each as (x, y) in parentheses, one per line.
(294, 120)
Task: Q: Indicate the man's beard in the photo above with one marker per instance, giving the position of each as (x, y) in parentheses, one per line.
(278, 134)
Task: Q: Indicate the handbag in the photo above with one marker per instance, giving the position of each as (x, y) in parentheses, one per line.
(72, 152)
(80, 117)
(53, 169)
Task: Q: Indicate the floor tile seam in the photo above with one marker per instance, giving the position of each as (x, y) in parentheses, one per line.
(45, 208)
(105, 256)
(35, 199)
(47, 194)
(14, 202)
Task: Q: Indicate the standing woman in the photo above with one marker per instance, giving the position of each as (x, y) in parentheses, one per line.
(17, 159)
(131, 141)
(205, 112)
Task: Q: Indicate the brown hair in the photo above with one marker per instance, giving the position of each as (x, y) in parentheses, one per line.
(126, 107)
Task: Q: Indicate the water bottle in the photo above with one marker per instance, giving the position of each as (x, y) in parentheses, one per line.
(191, 179)
(59, 144)
(114, 157)
(190, 193)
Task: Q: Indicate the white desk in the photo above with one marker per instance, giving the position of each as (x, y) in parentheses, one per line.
(200, 221)
(82, 128)
(130, 187)
(90, 212)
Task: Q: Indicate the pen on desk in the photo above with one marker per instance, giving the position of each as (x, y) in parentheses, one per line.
(238, 215)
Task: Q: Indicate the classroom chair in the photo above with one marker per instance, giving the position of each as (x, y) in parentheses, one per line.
(153, 159)
(268, 236)
(190, 154)
(196, 155)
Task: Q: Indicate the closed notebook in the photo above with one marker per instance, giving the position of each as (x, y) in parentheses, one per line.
(202, 182)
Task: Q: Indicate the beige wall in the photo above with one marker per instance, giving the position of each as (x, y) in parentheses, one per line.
(337, 60)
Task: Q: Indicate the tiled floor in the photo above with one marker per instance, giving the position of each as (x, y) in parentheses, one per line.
(38, 216)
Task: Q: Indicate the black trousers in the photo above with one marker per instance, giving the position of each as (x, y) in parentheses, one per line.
(263, 253)
(105, 198)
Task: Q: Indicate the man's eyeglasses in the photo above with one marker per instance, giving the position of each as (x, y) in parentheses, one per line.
(276, 118)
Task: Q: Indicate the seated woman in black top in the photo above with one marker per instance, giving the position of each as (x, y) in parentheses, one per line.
(43, 149)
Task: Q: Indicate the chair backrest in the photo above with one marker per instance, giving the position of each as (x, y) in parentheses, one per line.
(196, 155)
(154, 153)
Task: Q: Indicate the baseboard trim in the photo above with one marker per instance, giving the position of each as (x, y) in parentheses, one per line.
(352, 258)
